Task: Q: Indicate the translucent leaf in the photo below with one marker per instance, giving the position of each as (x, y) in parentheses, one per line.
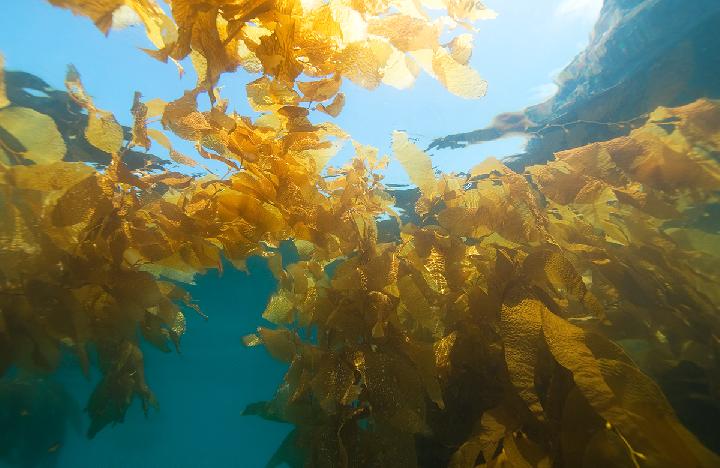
(459, 79)
(461, 48)
(415, 162)
(3, 96)
(405, 32)
(321, 90)
(335, 107)
(279, 309)
(521, 324)
(103, 132)
(36, 132)
(265, 94)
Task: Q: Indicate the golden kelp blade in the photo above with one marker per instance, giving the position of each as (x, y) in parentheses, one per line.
(38, 137)
(335, 107)
(415, 162)
(3, 93)
(367, 44)
(160, 29)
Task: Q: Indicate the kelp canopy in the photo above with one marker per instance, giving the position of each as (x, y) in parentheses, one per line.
(488, 332)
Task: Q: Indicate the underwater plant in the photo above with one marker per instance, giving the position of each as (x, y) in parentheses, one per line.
(489, 330)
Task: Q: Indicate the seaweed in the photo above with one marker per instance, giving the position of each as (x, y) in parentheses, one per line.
(493, 326)
(485, 334)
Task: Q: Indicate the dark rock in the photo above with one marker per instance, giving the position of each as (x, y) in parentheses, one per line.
(642, 54)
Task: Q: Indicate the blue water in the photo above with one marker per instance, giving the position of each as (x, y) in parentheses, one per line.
(202, 391)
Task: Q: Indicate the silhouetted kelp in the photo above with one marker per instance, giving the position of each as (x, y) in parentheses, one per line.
(493, 327)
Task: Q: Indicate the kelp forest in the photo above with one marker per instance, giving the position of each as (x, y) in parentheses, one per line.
(550, 314)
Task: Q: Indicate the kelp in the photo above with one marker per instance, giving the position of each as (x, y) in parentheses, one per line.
(366, 42)
(484, 335)
(492, 330)
(92, 255)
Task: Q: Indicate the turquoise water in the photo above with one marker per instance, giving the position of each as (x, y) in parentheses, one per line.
(202, 392)
(203, 389)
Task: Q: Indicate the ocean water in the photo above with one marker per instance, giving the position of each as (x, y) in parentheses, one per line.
(203, 392)
(533, 281)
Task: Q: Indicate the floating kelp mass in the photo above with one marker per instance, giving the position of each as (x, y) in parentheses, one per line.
(487, 330)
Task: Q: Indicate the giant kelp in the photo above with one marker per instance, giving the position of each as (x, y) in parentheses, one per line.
(483, 333)
(489, 331)
(84, 249)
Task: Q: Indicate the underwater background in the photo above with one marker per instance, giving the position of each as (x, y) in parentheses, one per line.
(556, 71)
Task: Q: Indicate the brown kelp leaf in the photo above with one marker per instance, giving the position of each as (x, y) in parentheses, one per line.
(251, 340)
(171, 179)
(102, 131)
(521, 324)
(424, 358)
(648, 408)
(395, 390)
(458, 78)
(488, 166)
(182, 159)
(415, 162)
(405, 32)
(160, 138)
(139, 131)
(493, 427)
(233, 205)
(434, 271)
(76, 90)
(281, 344)
(522, 452)
(558, 271)
(363, 62)
(57, 176)
(265, 94)
(319, 91)
(332, 383)
(335, 107)
(607, 448)
(155, 107)
(626, 399)
(279, 309)
(182, 117)
(164, 141)
(81, 202)
(566, 342)
(37, 134)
